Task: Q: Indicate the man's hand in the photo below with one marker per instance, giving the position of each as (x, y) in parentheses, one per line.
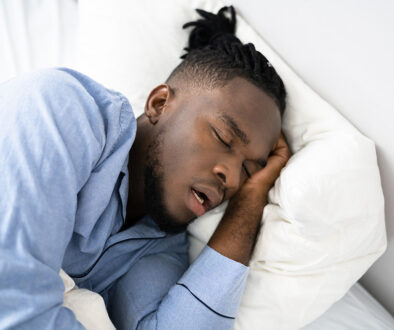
(236, 233)
(263, 180)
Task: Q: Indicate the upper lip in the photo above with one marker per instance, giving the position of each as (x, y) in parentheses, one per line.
(214, 197)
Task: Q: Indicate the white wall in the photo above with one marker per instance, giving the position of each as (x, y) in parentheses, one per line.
(345, 51)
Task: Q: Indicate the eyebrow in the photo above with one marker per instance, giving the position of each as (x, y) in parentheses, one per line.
(232, 124)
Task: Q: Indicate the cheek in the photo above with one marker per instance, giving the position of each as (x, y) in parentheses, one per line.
(177, 152)
(184, 163)
(186, 158)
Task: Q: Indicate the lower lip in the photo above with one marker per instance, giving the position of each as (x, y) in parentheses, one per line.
(197, 208)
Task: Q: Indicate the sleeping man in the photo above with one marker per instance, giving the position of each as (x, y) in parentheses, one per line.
(87, 188)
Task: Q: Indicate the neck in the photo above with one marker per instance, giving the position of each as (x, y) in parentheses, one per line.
(136, 203)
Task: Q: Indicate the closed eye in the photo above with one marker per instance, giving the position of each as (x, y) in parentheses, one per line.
(220, 139)
(228, 146)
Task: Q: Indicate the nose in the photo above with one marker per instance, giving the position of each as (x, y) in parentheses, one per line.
(229, 174)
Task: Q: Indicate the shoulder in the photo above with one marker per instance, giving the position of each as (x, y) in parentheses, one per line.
(75, 100)
(71, 86)
(64, 111)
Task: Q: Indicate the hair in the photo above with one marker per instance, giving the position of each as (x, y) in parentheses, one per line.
(215, 56)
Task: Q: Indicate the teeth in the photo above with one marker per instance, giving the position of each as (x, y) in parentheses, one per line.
(198, 197)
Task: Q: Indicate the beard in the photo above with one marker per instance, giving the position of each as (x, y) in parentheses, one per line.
(154, 190)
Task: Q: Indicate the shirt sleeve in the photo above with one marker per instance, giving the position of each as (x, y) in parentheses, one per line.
(157, 293)
(43, 165)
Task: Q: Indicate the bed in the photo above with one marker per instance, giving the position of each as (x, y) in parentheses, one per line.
(42, 33)
(356, 310)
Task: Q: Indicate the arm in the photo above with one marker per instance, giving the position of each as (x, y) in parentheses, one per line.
(42, 166)
(155, 295)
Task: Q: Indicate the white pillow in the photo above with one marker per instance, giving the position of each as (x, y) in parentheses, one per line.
(324, 224)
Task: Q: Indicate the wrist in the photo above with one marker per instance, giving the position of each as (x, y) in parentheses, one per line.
(256, 190)
(249, 198)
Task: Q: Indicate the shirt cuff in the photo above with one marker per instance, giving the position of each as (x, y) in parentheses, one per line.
(216, 281)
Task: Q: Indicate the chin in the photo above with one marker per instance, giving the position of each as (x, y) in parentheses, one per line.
(166, 221)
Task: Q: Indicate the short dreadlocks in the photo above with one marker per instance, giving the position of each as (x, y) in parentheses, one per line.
(215, 56)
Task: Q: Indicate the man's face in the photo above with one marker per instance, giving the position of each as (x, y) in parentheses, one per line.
(206, 143)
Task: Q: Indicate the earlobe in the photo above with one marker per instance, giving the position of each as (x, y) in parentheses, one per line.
(157, 102)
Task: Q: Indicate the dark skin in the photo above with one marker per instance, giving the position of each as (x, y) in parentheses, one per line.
(201, 147)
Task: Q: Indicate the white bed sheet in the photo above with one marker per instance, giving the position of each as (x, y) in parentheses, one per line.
(356, 310)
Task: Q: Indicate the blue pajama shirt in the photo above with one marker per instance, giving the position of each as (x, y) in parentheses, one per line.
(64, 148)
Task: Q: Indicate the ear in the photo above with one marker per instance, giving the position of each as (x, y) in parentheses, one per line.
(157, 102)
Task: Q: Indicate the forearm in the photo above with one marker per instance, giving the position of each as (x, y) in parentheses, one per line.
(205, 296)
(236, 233)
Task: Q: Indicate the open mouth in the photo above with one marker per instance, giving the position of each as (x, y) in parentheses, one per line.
(198, 202)
(200, 196)
(203, 198)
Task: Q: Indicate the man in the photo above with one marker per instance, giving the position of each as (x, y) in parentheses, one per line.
(87, 188)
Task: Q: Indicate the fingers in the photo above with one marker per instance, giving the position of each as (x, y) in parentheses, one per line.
(281, 148)
(275, 162)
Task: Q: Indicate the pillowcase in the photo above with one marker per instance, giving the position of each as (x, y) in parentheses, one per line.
(324, 224)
